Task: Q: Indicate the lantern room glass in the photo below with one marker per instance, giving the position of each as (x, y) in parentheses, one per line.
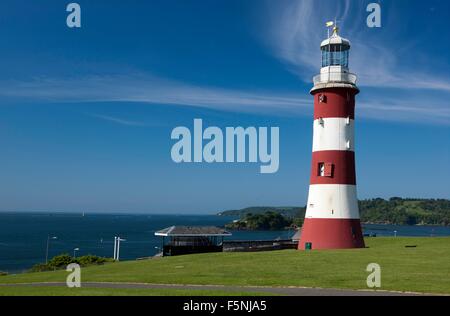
(335, 55)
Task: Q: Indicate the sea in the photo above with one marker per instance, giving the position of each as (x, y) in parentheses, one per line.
(24, 236)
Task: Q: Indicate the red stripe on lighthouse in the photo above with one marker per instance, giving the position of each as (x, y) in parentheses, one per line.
(327, 233)
(338, 167)
(334, 102)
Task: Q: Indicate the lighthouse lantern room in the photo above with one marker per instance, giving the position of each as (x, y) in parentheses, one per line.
(332, 214)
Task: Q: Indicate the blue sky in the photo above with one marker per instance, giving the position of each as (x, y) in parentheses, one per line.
(86, 114)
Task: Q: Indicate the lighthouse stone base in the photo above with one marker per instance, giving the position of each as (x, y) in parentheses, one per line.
(330, 233)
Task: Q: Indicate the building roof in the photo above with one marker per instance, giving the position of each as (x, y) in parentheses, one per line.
(193, 231)
(335, 40)
(297, 235)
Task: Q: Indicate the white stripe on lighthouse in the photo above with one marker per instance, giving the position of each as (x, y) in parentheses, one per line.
(337, 201)
(334, 134)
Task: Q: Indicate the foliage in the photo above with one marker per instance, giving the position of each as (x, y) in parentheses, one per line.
(288, 211)
(297, 222)
(396, 210)
(63, 260)
(406, 211)
(91, 259)
(40, 267)
(266, 221)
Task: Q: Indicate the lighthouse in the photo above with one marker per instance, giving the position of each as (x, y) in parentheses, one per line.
(332, 213)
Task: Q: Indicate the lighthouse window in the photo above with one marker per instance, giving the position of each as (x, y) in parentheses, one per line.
(325, 169)
(321, 169)
(322, 98)
(335, 55)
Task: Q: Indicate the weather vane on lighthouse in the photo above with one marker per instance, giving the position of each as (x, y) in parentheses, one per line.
(332, 213)
(333, 24)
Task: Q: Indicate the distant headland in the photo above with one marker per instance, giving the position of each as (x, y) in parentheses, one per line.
(395, 211)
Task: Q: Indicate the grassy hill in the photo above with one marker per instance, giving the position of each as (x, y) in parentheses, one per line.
(406, 211)
(393, 211)
(425, 268)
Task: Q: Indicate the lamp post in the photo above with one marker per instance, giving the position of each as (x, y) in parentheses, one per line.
(115, 247)
(48, 245)
(117, 241)
(74, 252)
(118, 248)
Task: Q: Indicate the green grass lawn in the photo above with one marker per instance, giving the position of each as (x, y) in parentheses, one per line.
(425, 268)
(65, 291)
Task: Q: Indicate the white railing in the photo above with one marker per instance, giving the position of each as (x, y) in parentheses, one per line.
(340, 77)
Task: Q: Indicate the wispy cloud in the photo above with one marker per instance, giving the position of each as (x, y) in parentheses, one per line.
(117, 120)
(405, 110)
(153, 90)
(293, 31)
(296, 28)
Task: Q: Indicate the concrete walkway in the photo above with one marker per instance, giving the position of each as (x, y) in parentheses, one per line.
(285, 291)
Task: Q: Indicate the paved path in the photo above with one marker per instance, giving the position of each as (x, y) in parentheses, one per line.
(286, 291)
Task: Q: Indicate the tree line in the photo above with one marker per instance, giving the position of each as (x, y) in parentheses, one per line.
(396, 210)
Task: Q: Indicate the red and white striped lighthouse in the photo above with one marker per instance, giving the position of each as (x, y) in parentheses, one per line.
(332, 214)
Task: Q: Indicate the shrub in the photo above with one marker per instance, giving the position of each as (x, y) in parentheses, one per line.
(57, 262)
(91, 259)
(40, 267)
(61, 261)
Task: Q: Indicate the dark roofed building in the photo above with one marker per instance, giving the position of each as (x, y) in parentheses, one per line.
(297, 235)
(180, 240)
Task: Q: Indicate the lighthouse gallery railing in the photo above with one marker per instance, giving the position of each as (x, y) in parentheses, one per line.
(330, 77)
